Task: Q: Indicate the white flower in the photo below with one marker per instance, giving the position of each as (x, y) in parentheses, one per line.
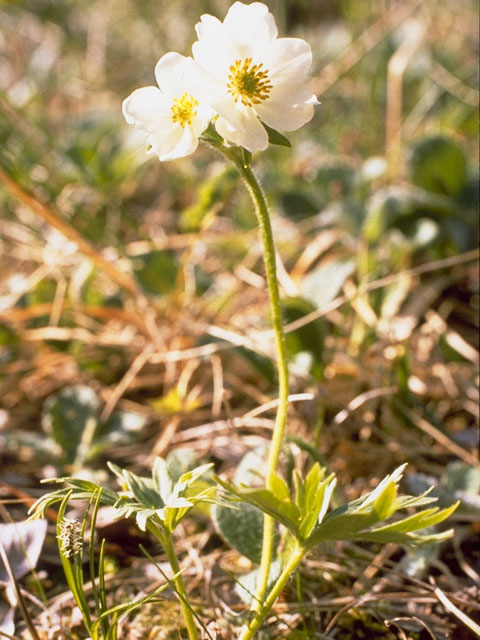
(171, 115)
(251, 75)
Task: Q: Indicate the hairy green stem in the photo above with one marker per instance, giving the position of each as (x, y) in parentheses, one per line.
(250, 630)
(263, 216)
(165, 538)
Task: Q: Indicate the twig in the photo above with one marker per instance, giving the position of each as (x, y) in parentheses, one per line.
(361, 399)
(439, 436)
(18, 593)
(125, 382)
(397, 66)
(295, 397)
(448, 604)
(435, 265)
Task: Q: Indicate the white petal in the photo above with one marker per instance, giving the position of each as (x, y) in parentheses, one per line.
(186, 145)
(245, 130)
(250, 30)
(291, 95)
(205, 87)
(208, 27)
(285, 118)
(200, 122)
(172, 72)
(250, 23)
(145, 108)
(288, 60)
(233, 113)
(210, 51)
(163, 142)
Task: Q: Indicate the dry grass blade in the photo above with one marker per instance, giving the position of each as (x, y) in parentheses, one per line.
(439, 437)
(51, 217)
(448, 604)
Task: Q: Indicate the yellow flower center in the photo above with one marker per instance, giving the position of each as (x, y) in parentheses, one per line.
(248, 82)
(183, 110)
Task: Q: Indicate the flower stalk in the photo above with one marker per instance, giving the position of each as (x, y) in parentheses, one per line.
(265, 606)
(263, 216)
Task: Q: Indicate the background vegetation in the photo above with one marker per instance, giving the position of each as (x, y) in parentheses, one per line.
(133, 315)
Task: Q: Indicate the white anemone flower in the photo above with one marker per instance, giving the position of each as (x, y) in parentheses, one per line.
(171, 115)
(250, 75)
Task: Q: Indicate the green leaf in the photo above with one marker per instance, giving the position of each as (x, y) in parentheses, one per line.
(79, 489)
(162, 479)
(309, 338)
(179, 461)
(251, 468)
(345, 526)
(263, 365)
(421, 520)
(280, 489)
(247, 157)
(246, 585)
(275, 137)
(211, 135)
(9, 344)
(405, 502)
(285, 512)
(317, 499)
(402, 207)
(70, 416)
(242, 528)
(370, 498)
(144, 490)
(211, 196)
(406, 538)
(156, 271)
(121, 428)
(74, 580)
(438, 164)
(299, 487)
(114, 468)
(190, 477)
(298, 203)
(462, 482)
(385, 505)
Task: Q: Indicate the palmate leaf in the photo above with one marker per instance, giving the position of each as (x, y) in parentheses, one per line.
(189, 477)
(158, 498)
(284, 511)
(408, 539)
(346, 526)
(144, 490)
(316, 505)
(359, 519)
(421, 520)
(161, 478)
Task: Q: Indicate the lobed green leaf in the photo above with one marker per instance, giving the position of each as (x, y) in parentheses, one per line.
(285, 512)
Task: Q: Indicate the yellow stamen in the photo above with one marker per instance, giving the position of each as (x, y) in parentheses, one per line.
(183, 110)
(248, 82)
